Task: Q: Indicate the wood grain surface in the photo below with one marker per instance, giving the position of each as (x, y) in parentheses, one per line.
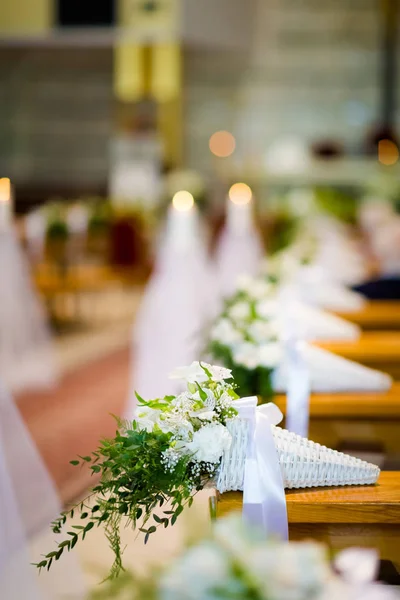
(376, 349)
(375, 405)
(377, 314)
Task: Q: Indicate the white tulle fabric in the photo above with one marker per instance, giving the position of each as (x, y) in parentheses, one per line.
(239, 250)
(338, 255)
(28, 503)
(331, 373)
(27, 358)
(315, 324)
(178, 304)
(318, 289)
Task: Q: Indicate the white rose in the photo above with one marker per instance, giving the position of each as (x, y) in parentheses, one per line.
(270, 355)
(210, 442)
(240, 311)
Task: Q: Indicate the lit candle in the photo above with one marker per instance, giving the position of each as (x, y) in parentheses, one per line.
(5, 203)
(239, 209)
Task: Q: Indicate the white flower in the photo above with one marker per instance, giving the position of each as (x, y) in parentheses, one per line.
(176, 424)
(226, 333)
(288, 571)
(210, 442)
(196, 373)
(246, 355)
(147, 418)
(191, 373)
(267, 309)
(207, 415)
(219, 373)
(196, 575)
(240, 311)
(261, 289)
(261, 331)
(209, 403)
(270, 355)
(244, 283)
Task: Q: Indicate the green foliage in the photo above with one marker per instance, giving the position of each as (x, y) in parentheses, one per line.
(283, 232)
(249, 382)
(134, 483)
(339, 203)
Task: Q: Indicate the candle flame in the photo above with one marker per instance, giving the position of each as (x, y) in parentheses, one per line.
(5, 189)
(240, 193)
(183, 201)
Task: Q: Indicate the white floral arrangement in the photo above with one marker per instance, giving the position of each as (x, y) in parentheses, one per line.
(172, 449)
(237, 562)
(180, 444)
(247, 336)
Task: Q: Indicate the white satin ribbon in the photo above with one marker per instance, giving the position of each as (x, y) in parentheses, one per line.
(298, 384)
(298, 389)
(264, 502)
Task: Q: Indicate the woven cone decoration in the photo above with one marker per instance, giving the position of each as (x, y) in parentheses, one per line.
(332, 373)
(332, 296)
(303, 462)
(320, 325)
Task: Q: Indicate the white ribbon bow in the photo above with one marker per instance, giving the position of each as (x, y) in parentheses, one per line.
(264, 502)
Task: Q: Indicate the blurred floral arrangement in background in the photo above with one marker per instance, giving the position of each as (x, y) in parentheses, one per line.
(338, 202)
(237, 562)
(246, 336)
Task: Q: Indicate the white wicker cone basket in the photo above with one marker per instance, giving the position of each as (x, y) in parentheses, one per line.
(303, 462)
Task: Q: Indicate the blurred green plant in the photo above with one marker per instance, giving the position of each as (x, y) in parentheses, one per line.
(341, 203)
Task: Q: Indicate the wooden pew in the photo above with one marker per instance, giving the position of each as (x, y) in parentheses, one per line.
(363, 516)
(377, 314)
(368, 419)
(376, 349)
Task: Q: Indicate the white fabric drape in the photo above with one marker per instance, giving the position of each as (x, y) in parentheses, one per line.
(177, 306)
(26, 355)
(239, 250)
(28, 503)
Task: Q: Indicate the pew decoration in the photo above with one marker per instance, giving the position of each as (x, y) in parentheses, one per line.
(250, 338)
(205, 436)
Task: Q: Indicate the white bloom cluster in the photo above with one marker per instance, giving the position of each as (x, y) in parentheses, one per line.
(195, 420)
(251, 355)
(237, 561)
(210, 442)
(251, 326)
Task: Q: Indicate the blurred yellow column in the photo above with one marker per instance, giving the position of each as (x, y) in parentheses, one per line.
(129, 71)
(166, 88)
(25, 16)
(146, 67)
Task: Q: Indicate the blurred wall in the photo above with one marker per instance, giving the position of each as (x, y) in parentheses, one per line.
(56, 115)
(312, 70)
